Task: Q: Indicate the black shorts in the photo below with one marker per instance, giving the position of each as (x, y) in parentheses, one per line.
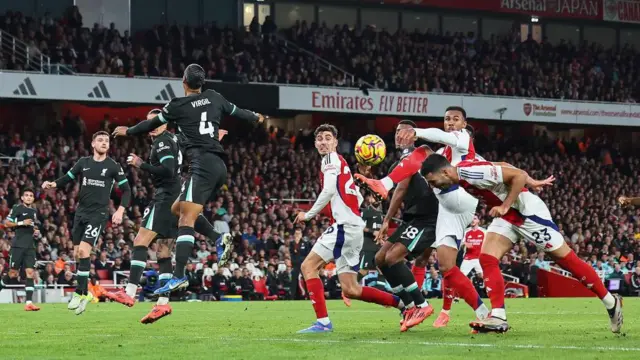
(416, 235)
(207, 173)
(368, 260)
(88, 228)
(159, 219)
(24, 258)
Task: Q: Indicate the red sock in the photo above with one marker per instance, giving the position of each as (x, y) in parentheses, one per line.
(316, 294)
(584, 273)
(419, 273)
(447, 295)
(409, 165)
(462, 286)
(373, 295)
(493, 280)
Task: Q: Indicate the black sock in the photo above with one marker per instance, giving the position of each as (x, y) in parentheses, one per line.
(401, 272)
(29, 289)
(184, 246)
(204, 227)
(83, 276)
(396, 286)
(138, 263)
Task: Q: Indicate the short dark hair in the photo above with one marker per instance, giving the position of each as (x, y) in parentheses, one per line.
(326, 127)
(26, 190)
(194, 76)
(457, 108)
(154, 112)
(434, 163)
(99, 133)
(407, 122)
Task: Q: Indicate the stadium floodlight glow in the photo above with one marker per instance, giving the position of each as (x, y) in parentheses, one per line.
(534, 19)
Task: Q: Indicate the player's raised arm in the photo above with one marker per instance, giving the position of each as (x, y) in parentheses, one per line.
(534, 184)
(457, 139)
(629, 201)
(329, 188)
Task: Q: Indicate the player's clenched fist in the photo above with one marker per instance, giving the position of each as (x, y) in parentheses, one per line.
(406, 137)
(300, 217)
(134, 160)
(48, 185)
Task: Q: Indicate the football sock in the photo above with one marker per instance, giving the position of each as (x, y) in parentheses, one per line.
(494, 284)
(184, 246)
(204, 227)
(407, 167)
(373, 295)
(447, 295)
(419, 273)
(587, 276)
(29, 289)
(138, 263)
(165, 268)
(402, 272)
(316, 294)
(396, 287)
(83, 276)
(462, 286)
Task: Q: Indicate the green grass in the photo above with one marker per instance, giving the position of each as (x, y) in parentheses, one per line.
(541, 329)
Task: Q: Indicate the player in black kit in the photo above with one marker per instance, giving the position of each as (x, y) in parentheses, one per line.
(23, 218)
(414, 237)
(197, 116)
(99, 175)
(158, 221)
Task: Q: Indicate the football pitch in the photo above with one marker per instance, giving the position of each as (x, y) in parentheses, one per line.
(541, 329)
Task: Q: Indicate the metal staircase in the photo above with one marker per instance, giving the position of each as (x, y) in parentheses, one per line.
(30, 58)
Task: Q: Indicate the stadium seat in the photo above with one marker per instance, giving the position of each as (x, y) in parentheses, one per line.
(103, 274)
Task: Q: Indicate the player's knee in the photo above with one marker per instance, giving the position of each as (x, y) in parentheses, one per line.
(308, 269)
(29, 273)
(380, 258)
(393, 257)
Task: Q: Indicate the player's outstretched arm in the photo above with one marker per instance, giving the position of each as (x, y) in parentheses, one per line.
(233, 110)
(328, 190)
(629, 201)
(142, 127)
(396, 201)
(70, 176)
(165, 169)
(532, 183)
(516, 179)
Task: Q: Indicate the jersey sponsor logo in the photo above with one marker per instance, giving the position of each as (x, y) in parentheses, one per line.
(163, 147)
(104, 172)
(201, 102)
(92, 182)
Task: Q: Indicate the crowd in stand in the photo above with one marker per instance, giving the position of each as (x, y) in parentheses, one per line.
(422, 60)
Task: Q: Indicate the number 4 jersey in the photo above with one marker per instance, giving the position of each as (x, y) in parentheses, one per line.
(198, 118)
(528, 217)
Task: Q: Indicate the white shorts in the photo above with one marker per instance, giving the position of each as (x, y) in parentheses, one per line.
(341, 243)
(470, 264)
(450, 228)
(456, 200)
(533, 224)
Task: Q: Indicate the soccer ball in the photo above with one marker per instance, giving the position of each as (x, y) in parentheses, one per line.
(370, 150)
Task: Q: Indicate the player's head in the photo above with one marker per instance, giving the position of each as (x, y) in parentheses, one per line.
(455, 118)
(27, 196)
(438, 172)
(404, 124)
(193, 78)
(159, 130)
(476, 220)
(100, 142)
(326, 139)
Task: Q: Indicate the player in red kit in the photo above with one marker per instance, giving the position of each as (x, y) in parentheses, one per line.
(343, 240)
(473, 239)
(517, 213)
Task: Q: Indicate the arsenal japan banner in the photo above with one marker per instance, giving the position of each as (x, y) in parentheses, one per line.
(582, 9)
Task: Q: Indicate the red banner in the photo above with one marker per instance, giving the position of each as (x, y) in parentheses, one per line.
(622, 11)
(583, 9)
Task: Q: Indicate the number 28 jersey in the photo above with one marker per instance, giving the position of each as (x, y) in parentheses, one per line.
(198, 118)
(345, 204)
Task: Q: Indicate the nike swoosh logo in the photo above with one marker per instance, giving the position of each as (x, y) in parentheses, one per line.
(85, 169)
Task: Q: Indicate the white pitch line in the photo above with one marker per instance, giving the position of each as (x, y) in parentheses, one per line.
(335, 341)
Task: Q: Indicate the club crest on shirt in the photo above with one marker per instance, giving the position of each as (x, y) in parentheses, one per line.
(104, 172)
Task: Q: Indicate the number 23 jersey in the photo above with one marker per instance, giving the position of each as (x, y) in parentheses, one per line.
(345, 204)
